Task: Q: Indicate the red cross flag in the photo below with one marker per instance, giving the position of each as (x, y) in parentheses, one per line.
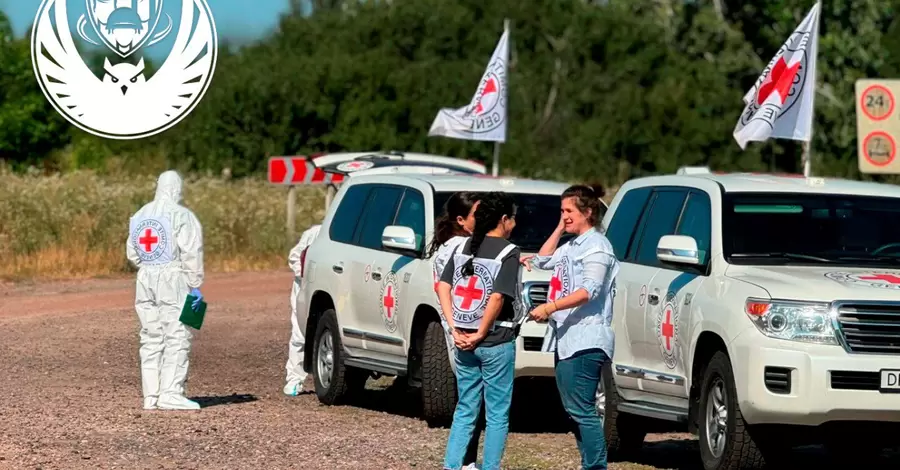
(780, 104)
(485, 116)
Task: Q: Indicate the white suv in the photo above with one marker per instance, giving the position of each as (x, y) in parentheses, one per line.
(760, 312)
(368, 288)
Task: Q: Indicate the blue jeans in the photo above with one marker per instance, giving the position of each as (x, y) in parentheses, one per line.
(485, 373)
(577, 378)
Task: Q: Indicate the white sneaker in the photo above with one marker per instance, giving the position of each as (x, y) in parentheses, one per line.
(293, 389)
(176, 402)
(150, 403)
(471, 466)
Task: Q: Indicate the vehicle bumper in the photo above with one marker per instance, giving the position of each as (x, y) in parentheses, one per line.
(530, 361)
(825, 383)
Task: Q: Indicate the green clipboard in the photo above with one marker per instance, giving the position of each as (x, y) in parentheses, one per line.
(191, 318)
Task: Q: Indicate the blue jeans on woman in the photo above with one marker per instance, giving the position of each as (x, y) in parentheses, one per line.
(577, 378)
(486, 373)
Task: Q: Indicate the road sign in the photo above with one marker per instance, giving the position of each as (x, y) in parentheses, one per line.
(290, 171)
(877, 125)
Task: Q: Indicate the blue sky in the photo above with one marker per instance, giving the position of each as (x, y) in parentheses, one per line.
(235, 19)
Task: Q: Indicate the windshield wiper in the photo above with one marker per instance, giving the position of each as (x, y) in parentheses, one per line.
(792, 256)
(892, 259)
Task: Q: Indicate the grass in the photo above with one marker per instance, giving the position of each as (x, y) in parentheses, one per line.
(75, 225)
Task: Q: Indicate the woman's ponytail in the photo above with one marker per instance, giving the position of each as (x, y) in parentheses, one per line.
(490, 212)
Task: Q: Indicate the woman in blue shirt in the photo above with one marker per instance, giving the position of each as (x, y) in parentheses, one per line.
(579, 306)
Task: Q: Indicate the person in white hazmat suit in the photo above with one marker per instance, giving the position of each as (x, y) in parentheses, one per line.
(165, 243)
(295, 373)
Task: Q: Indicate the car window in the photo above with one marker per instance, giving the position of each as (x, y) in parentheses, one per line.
(661, 219)
(621, 227)
(412, 214)
(346, 217)
(378, 214)
(696, 221)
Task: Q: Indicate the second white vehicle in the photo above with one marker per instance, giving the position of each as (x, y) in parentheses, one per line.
(369, 299)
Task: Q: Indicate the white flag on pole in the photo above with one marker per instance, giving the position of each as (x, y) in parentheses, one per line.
(485, 116)
(780, 104)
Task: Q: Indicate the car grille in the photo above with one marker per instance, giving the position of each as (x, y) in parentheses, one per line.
(855, 380)
(871, 328)
(536, 294)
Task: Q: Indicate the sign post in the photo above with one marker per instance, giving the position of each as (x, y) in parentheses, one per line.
(293, 171)
(877, 125)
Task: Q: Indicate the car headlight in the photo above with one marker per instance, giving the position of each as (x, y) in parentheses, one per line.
(806, 322)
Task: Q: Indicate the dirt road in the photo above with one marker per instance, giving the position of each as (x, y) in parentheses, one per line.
(70, 394)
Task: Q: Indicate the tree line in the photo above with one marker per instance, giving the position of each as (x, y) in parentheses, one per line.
(599, 90)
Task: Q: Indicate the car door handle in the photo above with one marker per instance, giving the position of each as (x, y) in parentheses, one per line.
(376, 275)
(337, 268)
(653, 299)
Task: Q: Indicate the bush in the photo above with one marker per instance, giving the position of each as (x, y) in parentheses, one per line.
(75, 225)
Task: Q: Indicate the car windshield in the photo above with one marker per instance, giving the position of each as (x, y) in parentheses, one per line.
(536, 217)
(778, 228)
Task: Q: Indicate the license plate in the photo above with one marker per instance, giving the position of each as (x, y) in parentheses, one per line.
(890, 380)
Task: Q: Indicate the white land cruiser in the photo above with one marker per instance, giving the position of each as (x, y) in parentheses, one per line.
(368, 285)
(760, 312)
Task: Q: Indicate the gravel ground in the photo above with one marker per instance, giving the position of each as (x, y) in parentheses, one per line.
(71, 399)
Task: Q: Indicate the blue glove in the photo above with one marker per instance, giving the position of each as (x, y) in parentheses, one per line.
(196, 293)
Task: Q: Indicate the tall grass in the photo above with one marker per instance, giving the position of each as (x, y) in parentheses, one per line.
(75, 225)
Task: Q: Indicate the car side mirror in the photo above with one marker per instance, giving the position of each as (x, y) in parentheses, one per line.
(398, 237)
(678, 249)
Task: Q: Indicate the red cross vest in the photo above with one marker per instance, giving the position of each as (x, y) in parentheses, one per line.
(153, 240)
(439, 262)
(469, 294)
(565, 278)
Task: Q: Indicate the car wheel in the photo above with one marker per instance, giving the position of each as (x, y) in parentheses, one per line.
(438, 380)
(725, 440)
(335, 382)
(624, 433)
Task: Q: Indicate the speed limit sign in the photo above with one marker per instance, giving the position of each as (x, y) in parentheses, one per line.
(877, 125)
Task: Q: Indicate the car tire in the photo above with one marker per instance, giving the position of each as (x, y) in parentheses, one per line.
(439, 394)
(335, 382)
(624, 432)
(725, 439)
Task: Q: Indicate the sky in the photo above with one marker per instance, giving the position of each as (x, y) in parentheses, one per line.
(235, 19)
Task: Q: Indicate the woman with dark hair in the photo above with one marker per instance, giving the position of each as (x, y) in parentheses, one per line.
(452, 229)
(479, 295)
(580, 310)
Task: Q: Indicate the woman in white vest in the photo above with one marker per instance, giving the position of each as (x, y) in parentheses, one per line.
(452, 229)
(480, 301)
(579, 305)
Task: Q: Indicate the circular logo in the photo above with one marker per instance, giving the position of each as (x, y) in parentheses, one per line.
(784, 77)
(877, 102)
(389, 301)
(150, 240)
(487, 110)
(878, 280)
(667, 331)
(879, 148)
(355, 166)
(560, 284)
(470, 294)
(123, 100)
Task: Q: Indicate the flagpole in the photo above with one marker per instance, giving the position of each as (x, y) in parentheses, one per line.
(495, 170)
(807, 146)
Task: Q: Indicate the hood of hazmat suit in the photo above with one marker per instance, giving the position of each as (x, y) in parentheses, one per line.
(165, 243)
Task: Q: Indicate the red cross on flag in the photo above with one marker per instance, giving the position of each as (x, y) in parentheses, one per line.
(780, 104)
(485, 117)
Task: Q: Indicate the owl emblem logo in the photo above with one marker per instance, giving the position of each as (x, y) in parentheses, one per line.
(125, 97)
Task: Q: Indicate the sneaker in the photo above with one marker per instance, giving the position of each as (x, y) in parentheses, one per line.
(173, 402)
(150, 403)
(471, 466)
(292, 389)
